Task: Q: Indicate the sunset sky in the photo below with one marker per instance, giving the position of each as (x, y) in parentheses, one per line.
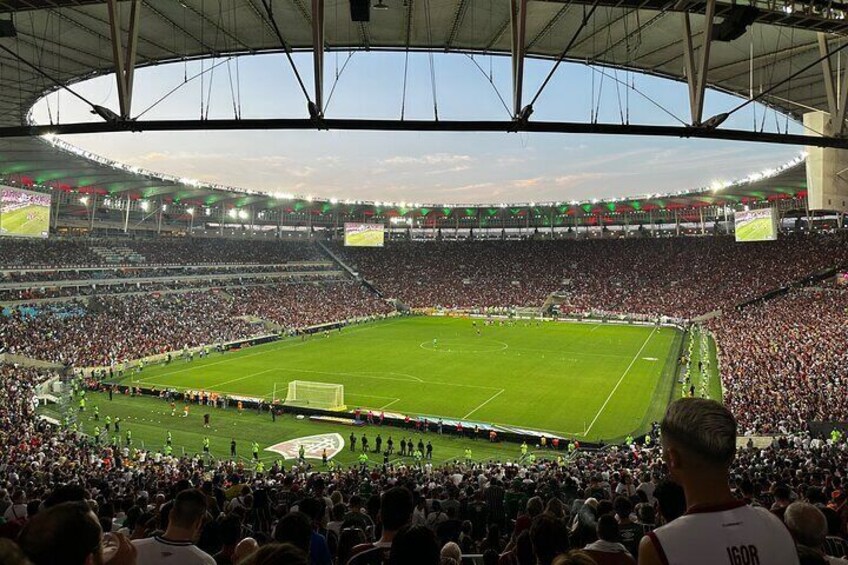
(422, 167)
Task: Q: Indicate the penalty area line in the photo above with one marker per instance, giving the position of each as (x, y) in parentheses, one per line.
(491, 398)
(620, 380)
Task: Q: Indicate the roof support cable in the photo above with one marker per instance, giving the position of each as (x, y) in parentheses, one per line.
(339, 73)
(431, 61)
(632, 87)
(286, 47)
(47, 76)
(488, 77)
(405, 76)
(717, 120)
(182, 84)
(562, 55)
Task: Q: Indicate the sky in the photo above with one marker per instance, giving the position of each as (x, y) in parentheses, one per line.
(427, 167)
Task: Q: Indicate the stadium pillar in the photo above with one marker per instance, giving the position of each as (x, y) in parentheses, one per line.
(697, 77)
(676, 221)
(127, 215)
(124, 61)
(91, 215)
(159, 218)
(827, 168)
(701, 214)
(318, 54)
(221, 221)
(519, 31)
(651, 221)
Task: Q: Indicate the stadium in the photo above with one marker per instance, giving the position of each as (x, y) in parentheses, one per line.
(491, 369)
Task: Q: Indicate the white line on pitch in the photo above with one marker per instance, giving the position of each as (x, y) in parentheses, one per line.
(624, 374)
(282, 344)
(215, 385)
(389, 404)
(494, 396)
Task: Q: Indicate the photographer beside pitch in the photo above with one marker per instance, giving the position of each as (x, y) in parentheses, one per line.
(699, 444)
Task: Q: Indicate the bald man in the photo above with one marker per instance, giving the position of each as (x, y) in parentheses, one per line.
(809, 528)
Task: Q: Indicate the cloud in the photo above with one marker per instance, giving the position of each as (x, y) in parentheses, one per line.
(431, 159)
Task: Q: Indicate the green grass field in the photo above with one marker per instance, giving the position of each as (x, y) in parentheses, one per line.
(150, 420)
(589, 381)
(758, 229)
(32, 221)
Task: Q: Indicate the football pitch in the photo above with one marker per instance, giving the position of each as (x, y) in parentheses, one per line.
(32, 221)
(587, 381)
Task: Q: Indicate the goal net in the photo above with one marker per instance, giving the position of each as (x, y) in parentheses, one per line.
(309, 394)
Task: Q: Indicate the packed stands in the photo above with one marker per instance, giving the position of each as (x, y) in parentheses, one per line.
(783, 361)
(508, 510)
(112, 330)
(70, 252)
(677, 277)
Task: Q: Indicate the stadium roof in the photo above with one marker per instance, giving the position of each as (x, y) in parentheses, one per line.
(65, 41)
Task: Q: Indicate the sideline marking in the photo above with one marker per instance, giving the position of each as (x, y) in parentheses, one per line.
(494, 396)
(281, 344)
(624, 374)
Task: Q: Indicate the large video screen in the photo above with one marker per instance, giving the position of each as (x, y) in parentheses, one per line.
(756, 225)
(364, 235)
(24, 213)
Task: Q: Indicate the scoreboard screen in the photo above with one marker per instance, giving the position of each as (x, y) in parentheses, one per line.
(756, 225)
(364, 235)
(24, 213)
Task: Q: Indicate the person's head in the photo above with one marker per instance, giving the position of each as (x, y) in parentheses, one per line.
(338, 512)
(276, 553)
(645, 513)
(188, 511)
(698, 439)
(623, 507)
(549, 537)
(294, 528)
(451, 551)
(535, 506)
(68, 533)
(781, 493)
(396, 508)
(574, 557)
(671, 500)
(607, 528)
(806, 523)
(11, 554)
(414, 545)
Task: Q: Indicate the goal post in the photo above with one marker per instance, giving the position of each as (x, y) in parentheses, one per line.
(310, 394)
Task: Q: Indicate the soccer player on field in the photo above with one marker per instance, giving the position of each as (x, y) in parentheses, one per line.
(173, 408)
(185, 411)
(206, 420)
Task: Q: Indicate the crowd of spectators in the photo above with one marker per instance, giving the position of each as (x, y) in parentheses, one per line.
(305, 305)
(34, 253)
(783, 361)
(118, 329)
(677, 277)
(597, 502)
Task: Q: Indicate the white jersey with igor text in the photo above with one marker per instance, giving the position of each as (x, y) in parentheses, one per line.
(732, 534)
